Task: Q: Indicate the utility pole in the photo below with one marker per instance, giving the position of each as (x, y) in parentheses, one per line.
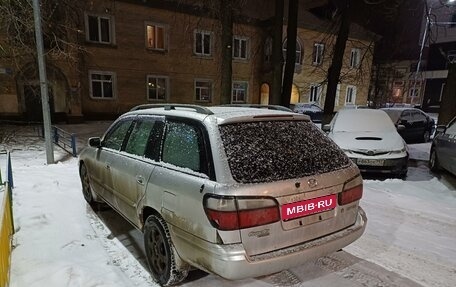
(43, 83)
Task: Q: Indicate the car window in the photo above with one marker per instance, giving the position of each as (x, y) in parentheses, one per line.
(451, 130)
(182, 146)
(419, 116)
(139, 137)
(406, 116)
(115, 137)
(278, 150)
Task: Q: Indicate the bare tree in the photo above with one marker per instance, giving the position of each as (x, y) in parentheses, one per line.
(292, 32)
(276, 86)
(226, 21)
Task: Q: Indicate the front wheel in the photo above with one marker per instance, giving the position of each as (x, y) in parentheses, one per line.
(165, 265)
(426, 136)
(434, 161)
(85, 181)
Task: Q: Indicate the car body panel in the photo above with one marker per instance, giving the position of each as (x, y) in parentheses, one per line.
(444, 145)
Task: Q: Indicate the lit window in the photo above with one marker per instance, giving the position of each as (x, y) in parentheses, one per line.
(98, 29)
(298, 51)
(203, 43)
(203, 90)
(239, 92)
(240, 48)
(102, 84)
(157, 87)
(318, 54)
(355, 57)
(350, 97)
(155, 35)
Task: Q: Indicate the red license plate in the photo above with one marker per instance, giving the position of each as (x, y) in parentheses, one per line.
(308, 207)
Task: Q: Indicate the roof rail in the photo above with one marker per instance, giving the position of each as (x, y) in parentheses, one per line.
(167, 107)
(260, 106)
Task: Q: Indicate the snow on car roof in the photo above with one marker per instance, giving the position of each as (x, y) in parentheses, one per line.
(361, 120)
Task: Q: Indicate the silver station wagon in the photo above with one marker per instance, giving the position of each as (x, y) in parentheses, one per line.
(235, 191)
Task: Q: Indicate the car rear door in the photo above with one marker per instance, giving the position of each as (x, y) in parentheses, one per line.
(406, 120)
(184, 176)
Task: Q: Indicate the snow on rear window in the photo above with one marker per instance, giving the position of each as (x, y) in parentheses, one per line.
(278, 150)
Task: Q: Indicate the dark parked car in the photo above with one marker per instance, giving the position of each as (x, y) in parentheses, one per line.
(312, 110)
(418, 125)
(443, 149)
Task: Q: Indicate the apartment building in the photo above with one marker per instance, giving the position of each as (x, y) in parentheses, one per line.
(138, 52)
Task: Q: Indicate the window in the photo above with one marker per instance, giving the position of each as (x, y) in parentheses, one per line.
(181, 146)
(350, 97)
(315, 91)
(453, 20)
(203, 43)
(203, 90)
(115, 137)
(318, 54)
(98, 29)
(156, 36)
(337, 95)
(441, 92)
(102, 84)
(240, 48)
(414, 92)
(298, 51)
(268, 50)
(451, 130)
(239, 92)
(157, 87)
(139, 137)
(355, 57)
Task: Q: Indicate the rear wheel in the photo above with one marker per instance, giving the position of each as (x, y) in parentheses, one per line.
(165, 265)
(434, 161)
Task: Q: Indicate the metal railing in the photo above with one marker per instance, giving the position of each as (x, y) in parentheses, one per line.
(64, 139)
(6, 223)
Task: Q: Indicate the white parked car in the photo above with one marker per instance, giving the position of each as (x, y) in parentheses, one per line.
(370, 139)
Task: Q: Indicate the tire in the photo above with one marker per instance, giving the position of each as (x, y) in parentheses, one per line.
(434, 161)
(165, 265)
(86, 190)
(426, 136)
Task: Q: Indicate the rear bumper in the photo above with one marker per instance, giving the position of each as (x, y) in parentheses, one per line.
(231, 261)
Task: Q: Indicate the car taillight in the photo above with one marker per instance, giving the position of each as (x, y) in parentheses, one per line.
(231, 213)
(350, 195)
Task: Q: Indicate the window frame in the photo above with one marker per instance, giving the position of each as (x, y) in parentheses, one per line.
(317, 56)
(165, 35)
(355, 58)
(203, 32)
(113, 81)
(211, 91)
(109, 132)
(247, 47)
(317, 88)
(414, 92)
(299, 51)
(353, 95)
(233, 89)
(166, 78)
(111, 26)
(206, 158)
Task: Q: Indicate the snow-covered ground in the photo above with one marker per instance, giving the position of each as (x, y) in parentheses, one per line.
(61, 241)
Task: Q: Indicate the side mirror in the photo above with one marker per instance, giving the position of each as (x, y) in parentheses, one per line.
(95, 142)
(400, 127)
(403, 122)
(440, 129)
(326, 128)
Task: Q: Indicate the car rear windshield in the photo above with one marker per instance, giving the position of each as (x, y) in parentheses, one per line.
(277, 150)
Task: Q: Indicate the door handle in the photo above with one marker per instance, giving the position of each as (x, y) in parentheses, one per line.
(140, 179)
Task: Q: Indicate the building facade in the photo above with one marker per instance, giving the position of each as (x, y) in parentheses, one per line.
(139, 52)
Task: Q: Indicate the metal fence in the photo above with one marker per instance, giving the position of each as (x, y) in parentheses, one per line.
(6, 223)
(63, 139)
